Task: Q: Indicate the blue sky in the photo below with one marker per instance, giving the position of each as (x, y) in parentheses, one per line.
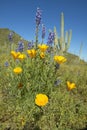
(19, 16)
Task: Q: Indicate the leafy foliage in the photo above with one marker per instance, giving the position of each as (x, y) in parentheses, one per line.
(65, 109)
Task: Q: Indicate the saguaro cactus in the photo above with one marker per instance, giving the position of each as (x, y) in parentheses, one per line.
(67, 40)
(64, 41)
(62, 32)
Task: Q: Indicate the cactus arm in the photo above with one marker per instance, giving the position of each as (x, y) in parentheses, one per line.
(68, 37)
(62, 31)
(56, 37)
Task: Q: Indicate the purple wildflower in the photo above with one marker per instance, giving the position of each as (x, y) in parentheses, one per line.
(51, 38)
(20, 46)
(6, 64)
(38, 17)
(57, 82)
(10, 36)
(38, 21)
(30, 45)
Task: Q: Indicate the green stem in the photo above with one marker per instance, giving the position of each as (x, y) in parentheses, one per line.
(36, 36)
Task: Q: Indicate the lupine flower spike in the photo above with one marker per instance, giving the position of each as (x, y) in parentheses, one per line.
(38, 21)
(30, 45)
(38, 17)
(20, 46)
(51, 38)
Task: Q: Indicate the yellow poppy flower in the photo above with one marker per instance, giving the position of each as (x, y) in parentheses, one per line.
(42, 55)
(70, 85)
(15, 54)
(60, 59)
(32, 53)
(21, 56)
(41, 100)
(17, 70)
(43, 47)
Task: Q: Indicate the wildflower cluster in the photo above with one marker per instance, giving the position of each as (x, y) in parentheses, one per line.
(51, 38)
(34, 80)
(37, 69)
(36, 72)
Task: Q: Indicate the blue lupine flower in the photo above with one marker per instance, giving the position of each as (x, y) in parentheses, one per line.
(57, 82)
(38, 17)
(43, 31)
(51, 38)
(30, 45)
(10, 36)
(20, 46)
(6, 64)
